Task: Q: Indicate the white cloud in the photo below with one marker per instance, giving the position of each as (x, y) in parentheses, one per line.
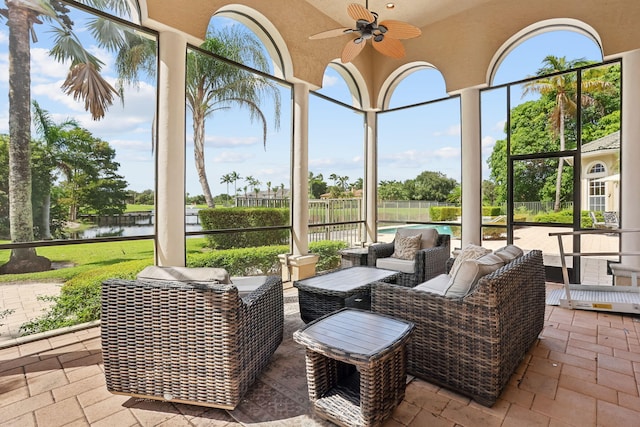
(488, 142)
(328, 81)
(232, 157)
(46, 69)
(447, 152)
(453, 130)
(499, 126)
(231, 141)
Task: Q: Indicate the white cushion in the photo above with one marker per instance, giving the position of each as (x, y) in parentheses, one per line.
(509, 253)
(405, 247)
(402, 265)
(436, 285)
(429, 237)
(470, 271)
(248, 284)
(470, 251)
(185, 274)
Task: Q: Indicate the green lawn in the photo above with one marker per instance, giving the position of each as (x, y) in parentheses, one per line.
(87, 256)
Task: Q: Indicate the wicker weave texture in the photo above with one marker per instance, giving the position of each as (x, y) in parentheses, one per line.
(350, 396)
(317, 301)
(472, 345)
(428, 262)
(188, 342)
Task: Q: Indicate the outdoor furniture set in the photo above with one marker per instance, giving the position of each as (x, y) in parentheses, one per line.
(466, 329)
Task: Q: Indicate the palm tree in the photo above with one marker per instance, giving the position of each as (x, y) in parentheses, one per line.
(213, 85)
(83, 82)
(235, 177)
(268, 184)
(563, 87)
(55, 139)
(226, 179)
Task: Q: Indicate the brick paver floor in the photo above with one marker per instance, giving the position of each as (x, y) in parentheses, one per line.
(584, 371)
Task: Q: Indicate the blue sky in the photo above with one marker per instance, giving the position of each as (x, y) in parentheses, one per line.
(411, 141)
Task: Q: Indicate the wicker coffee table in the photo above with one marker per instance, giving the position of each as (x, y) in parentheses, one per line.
(348, 287)
(356, 365)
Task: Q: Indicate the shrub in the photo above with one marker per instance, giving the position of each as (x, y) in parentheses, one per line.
(79, 299)
(225, 218)
(491, 211)
(328, 251)
(444, 213)
(264, 259)
(261, 260)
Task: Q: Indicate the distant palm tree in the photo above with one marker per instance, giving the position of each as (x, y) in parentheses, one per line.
(214, 85)
(235, 177)
(564, 88)
(226, 179)
(268, 184)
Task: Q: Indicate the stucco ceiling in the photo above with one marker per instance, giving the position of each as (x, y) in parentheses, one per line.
(416, 12)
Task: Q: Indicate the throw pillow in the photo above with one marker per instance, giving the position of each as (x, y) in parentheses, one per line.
(429, 237)
(470, 271)
(405, 247)
(509, 253)
(470, 251)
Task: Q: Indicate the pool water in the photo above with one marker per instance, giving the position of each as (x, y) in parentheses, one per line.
(442, 229)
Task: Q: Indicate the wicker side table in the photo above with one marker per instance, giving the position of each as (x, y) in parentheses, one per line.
(356, 365)
(353, 257)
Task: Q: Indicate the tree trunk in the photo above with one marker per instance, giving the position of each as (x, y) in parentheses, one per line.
(556, 206)
(20, 209)
(198, 151)
(46, 216)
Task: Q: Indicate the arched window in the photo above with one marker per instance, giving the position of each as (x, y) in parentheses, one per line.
(597, 188)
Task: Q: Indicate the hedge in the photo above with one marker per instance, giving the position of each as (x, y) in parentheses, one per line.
(444, 213)
(264, 259)
(225, 218)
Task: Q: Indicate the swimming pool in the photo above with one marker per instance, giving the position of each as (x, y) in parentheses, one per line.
(442, 229)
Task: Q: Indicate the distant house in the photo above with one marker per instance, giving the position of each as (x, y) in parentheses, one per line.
(600, 176)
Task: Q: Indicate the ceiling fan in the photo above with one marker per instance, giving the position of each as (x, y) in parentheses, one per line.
(385, 36)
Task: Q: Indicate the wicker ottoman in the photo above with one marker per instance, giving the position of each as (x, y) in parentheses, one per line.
(356, 365)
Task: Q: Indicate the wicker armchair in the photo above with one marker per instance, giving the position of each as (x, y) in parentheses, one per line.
(192, 343)
(472, 345)
(428, 263)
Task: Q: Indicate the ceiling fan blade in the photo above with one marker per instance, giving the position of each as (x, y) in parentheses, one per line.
(390, 47)
(331, 33)
(352, 49)
(357, 11)
(400, 30)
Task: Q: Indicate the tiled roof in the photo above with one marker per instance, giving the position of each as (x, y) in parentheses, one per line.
(609, 142)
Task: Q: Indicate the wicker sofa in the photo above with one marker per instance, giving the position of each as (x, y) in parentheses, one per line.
(473, 344)
(197, 343)
(427, 263)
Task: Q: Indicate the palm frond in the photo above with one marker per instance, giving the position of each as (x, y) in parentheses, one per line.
(108, 33)
(85, 83)
(68, 47)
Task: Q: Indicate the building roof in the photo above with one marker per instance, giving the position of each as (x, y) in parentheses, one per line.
(609, 142)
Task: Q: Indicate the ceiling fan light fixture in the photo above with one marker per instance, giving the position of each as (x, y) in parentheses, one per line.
(385, 36)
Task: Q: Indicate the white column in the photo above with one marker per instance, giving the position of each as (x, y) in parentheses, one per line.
(371, 178)
(471, 167)
(630, 155)
(300, 183)
(170, 152)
